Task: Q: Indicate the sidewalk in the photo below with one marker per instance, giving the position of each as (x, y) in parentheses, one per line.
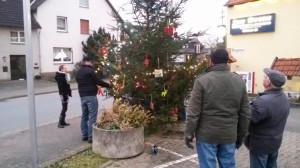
(55, 144)
(18, 88)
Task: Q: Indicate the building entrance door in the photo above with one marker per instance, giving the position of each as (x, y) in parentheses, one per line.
(18, 67)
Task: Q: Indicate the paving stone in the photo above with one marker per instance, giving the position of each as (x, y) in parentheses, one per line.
(173, 153)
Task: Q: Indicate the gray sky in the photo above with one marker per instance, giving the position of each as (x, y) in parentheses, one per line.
(198, 14)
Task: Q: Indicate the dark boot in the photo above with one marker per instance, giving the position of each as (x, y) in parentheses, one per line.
(63, 114)
(60, 122)
(64, 122)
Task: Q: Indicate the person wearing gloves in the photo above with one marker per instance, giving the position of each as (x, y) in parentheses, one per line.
(88, 83)
(269, 113)
(218, 113)
(62, 78)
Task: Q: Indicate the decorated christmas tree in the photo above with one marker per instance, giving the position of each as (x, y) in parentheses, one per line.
(142, 64)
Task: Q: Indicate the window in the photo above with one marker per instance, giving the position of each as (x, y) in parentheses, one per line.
(84, 26)
(62, 55)
(17, 37)
(62, 24)
(84, 3)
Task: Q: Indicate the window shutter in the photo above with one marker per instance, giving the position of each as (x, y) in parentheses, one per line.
(84, 26)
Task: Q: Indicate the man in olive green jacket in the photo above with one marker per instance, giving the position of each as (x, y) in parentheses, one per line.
(218, 113)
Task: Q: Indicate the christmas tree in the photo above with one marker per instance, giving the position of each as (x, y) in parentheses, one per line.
(100, 47)
(142, 65)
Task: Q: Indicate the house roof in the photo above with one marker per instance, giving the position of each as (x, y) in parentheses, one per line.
(115, 11)
(237, 2)
(231, 58)
(36, 3)
(288, 66)
(11, 14)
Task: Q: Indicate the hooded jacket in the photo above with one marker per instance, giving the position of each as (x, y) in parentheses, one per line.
(88, 80)
(218, 110)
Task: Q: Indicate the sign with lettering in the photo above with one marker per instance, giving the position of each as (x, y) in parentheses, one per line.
(248, 78)
(253, 24)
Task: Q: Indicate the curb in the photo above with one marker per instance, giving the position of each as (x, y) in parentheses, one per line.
(25, 95)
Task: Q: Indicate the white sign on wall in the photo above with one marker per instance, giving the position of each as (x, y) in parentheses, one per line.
(248, 78)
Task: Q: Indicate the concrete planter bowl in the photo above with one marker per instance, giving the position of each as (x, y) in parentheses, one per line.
(118, 143)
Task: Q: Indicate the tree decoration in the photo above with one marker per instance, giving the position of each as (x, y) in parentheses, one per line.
(169, 30)
(104, 50)
(158, 72)
(100, 91)
(151, 105)
(164, 93)
(146, 62)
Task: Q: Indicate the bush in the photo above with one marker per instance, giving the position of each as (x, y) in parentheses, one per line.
(123, 116)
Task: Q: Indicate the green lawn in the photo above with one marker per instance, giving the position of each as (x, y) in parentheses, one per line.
(85, 159)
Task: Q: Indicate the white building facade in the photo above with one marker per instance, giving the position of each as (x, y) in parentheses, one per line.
(64, 26)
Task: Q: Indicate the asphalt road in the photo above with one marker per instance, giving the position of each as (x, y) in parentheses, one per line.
(14, 115)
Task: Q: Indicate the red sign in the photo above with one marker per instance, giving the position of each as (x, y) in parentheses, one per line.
(238, 2)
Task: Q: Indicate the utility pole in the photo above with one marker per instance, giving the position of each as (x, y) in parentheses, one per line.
(30, 82)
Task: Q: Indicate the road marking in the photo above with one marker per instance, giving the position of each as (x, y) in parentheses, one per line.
(164, 149)
(174, 153)
(188, 158)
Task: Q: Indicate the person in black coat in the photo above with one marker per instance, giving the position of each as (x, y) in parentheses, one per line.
(62, 78)
(88, 83)
(270, 111)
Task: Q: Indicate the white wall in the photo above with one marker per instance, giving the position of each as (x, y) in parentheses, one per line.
(97, 14)
(7, 49)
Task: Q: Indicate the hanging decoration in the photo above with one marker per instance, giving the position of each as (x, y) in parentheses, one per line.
(164, 93)
(100, 91)
(146, 62)
(169, 30)
(151, 106)
(158, 72)
(104, 50)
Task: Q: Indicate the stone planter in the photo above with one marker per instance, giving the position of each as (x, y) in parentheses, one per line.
(118, 143)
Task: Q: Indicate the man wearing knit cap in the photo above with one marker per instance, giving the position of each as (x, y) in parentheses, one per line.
(270, 111)
(218, 113)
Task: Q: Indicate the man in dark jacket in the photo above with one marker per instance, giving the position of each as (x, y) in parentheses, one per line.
(270, 111)
(62, 78)
(218, 113)
(88, 83)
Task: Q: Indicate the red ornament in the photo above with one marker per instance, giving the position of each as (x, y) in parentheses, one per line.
(146, 62)
(100, 91)
(151, 106)
(169, 30)
(104, 51)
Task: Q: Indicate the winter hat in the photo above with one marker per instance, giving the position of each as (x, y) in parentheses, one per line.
(277, 78)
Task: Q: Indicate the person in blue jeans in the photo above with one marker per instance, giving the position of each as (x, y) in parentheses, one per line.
(270, 111)
(218, 113)
(88, 83)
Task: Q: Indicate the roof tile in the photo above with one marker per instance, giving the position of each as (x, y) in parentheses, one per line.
(11, 14)
(288, 66)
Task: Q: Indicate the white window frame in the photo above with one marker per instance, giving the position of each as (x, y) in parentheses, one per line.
(62, 55)
(84, 3)
(65, 21)
(19, 39)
